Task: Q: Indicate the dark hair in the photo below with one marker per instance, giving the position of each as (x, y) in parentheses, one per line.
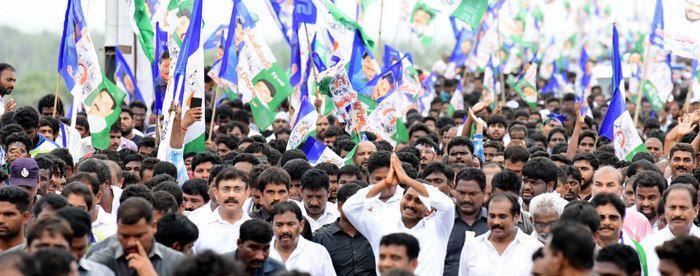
(406, 156)
(98, 167)
(207, 263)
(136, 191)
(314, 179)
(379, 159)
(405, 240)
(347, 191)
(650, 179)
(27, 117)
(588, 157)
(87, 179)
(52, 224)
(245, 157)
(132, 210)
(172, 188)
(622, 256)
(164, 202)
(575, 242)
(497, 119)
(163, 167)
(204, 157)
(582, 212)
(196, 186)
(63, 154)
(439, 167)
(296, 168)
(641, 165)
(460, 141)
(561, 159)
(157, 179)
(514, 205)
(147, 141)
(682, 147)
(231, 174)
(572, 171)
(688, 188)
(174, 227)
(329, 168)
(18, 137)
(351, 170)
(273, 175)
(686, 178)
(52, 261)
(428, 142)
(291, 155)
(540, 168)
(256, 230)
(50, 122)
(78, 219)
(418, 127)
(682, 251)
(52, 201)
(148, 163)
(215, 171)
(603, 199)
(468, 174)
(516, 154)
(284, 207)
(16, 196)
(507, 181)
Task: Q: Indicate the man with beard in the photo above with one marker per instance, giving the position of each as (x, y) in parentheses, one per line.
(365, 149)
(254, 249)
(7, 84)
(515, 158)
(540, 175)
(459, 150)
(504, 249)
(680, 209)
(290, 248)
(648, 188)
(14, 205)
(470, 218)
(496, 128)
(219, 232)
(569, 188)
(682, 159)
(416, 216)
(137, 252)
(429, 152)
(546, 210)
(586, 164)
(273, 184)
(314, 195)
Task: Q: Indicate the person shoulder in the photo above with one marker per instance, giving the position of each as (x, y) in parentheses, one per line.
(168, 252)
(324, 233)
(104, 255)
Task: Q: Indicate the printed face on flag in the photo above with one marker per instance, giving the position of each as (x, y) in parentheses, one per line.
(421, 17)
(692, 10)
(102, 104)
(368, 67)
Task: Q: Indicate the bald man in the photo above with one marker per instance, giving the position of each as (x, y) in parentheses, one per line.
(608, 179)
(364, 150)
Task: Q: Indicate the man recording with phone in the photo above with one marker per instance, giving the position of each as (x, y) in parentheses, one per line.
(177, 138)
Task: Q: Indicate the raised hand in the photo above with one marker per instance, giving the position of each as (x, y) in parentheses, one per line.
(140, 262)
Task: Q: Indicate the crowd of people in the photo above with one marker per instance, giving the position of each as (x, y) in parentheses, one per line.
(523, 192)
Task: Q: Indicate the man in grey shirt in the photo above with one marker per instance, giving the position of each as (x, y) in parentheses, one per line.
(137, 252)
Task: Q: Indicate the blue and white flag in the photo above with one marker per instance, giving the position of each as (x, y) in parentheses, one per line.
(617, 124)
(240, 17)
(159, 84)
(317, 152)
(77, 58)
(125, 80)
(217, 38)
(304, 13)
(304, 125)
(281, 11)
(362, 67)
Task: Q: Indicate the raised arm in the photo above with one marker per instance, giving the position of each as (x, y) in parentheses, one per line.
(573, 142)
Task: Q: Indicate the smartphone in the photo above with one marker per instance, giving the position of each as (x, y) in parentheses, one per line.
(196, 102)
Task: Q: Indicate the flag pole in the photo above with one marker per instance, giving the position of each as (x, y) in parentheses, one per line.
(55, 98)
(213, 112)
(381, 18)
(645, 72)
(313, 67)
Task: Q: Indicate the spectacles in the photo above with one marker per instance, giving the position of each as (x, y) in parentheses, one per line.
(548, 224)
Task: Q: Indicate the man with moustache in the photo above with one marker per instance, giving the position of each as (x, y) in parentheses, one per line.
(569, 189)
(314, 195)
(273, 184)
(7, 84)
(471, 217)
(290, 248)
(254, 249)
(648, 188)
(504, 249)
(586, 164)
(365, 149)
(417, 217)
(219, 231)
(680, 209)
(546, 210)
(682, 158)
(540, 176)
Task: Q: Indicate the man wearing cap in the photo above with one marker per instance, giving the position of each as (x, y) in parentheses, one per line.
(24, 173)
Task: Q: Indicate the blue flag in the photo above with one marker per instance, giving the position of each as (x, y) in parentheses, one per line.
(317, 152)
(77, 58)
(362, 67)
(190, 46)
(282, 17)
(159, 84)
(216, 39)
(656, 36)
(304, 12)
(229, 62)
(124, 79)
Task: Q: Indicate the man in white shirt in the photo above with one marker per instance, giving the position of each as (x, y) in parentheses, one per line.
(388, 202)
(7, 84)
(680, 208)
(398, 251)
(648, 188)
(431, 227)
(290, 248)
(314, 194)
(504, 249)
(570, 251)
(219, 231)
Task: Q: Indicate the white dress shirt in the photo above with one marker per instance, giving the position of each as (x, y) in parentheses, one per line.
(432, 232)
(104, 226)
(479, 256)
(330, 214)
(658, 238)
(217, 234)
(201, 214)
(307, 257)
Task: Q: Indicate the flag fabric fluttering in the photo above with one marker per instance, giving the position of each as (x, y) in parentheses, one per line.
(317, 152)
(525, 85)
(228, 70)
(349, 109)
(384, 120)
(304, 125)
(141, 25)
(457, 99)
(617, 124)
(217, 38)
(103, 107)
(124, 78)
(469, 11)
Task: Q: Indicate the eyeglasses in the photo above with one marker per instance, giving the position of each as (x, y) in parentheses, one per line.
(541, 225)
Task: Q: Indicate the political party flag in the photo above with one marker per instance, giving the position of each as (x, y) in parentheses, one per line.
(617, 124)
(304, 125)
(362, 67)
(103, 106)
(427, 94)
(349, 109)
(469, 11)
(124, 79)
(384, 120)
(659, 85)
(584, 76)
(680, 27)
(281, 11)
(159, 84)
(261, 80)
(525, 85)
(381, 85)
(240, 19)
(304, 13)
(188, 84)
(225, 88)
(141, 25)
(317, 152)
(77, 58)
(457, 99)
(217, 38)
(490, 82)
